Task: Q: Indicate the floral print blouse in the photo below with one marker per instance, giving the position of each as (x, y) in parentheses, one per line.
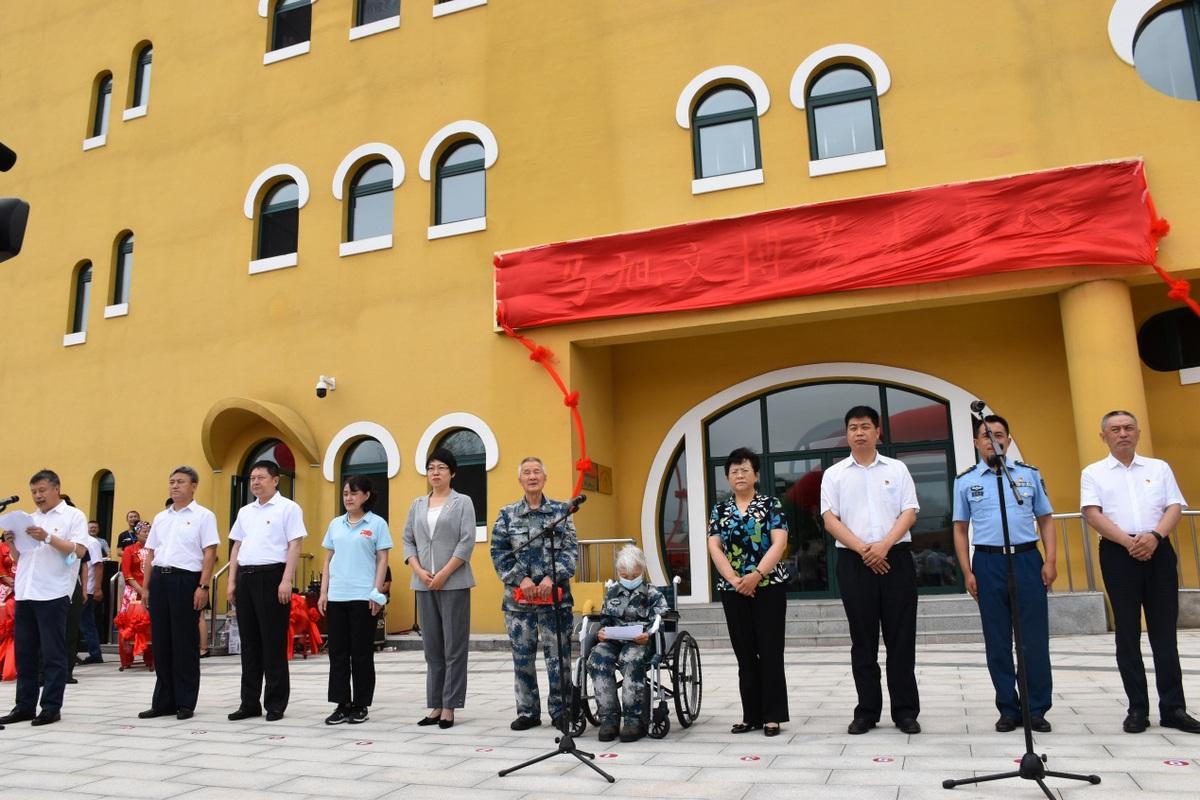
(745, 538)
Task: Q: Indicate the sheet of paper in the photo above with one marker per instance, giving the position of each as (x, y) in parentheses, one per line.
(623, 633)
(17, 522)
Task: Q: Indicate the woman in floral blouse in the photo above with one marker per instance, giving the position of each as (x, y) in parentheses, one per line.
(747, 537)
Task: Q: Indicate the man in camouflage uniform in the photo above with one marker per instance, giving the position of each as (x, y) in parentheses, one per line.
(628, 601)
(531, 571)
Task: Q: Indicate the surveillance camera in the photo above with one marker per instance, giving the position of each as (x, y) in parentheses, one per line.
(325, 385)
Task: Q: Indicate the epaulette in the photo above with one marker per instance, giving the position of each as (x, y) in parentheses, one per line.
(965, 471)
(1027, 466)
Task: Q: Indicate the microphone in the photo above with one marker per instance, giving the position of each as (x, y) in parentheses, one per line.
(576, 502)
(977, 406)
(8, 501)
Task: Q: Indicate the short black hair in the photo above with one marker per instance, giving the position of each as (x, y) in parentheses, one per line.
(445, 456)
(738, 456)
(93, 522)
(184, 469)
(862, 412)
(361, 483)
(47, 475)
(270, 466)
(978, 423)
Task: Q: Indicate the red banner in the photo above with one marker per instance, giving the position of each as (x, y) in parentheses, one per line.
(1098, 214)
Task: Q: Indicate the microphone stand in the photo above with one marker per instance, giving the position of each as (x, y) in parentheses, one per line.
(565, 742)
(1033, 766)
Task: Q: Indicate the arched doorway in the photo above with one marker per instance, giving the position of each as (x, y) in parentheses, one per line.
(367, 457)
(471, 477)
(269, 450)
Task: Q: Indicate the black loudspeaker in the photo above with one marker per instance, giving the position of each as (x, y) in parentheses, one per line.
(14, 213)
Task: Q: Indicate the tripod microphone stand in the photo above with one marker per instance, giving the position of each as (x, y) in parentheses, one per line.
(565, 742)
(1033, 766)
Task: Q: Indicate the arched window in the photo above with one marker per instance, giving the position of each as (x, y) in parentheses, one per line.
(103, 105)
(141, 80)
(725, 132)
(279, 220)
(843, 113)
(368, 11)
(471, 477)
(1170, 341)
(367, 457)
(459, 189)
(270, 450)
(106, 489)
(1166, 50)
(370, 207)
(123, 270)
(82, 295)
(674, 534)
(291, 24)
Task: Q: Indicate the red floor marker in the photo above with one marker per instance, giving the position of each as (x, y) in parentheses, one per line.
(608, 755)
(1177, 762)
(483, 749)
(750, 758)
(365, 743)
(883, 759)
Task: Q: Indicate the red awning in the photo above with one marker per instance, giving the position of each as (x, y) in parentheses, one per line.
(1098, 214)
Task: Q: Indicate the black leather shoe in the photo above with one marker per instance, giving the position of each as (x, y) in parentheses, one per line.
(151, 713)
(445, 723)
(1180, 720)
(630, 732)
(431, 721)
(274, 716)
(608, 732)
(16, 715)
(525, 723)
(771, 729)
(72, 680)
(243, 713)
(184, 713)
(743, 727)
(46, 718)
(1136, 722)
(909, 725)
(1006, 724)
(859, 725)
(1040, 724)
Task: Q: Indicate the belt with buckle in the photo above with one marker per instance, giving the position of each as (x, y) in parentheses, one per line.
(1016, 548)
(252, 568)
(175, 571)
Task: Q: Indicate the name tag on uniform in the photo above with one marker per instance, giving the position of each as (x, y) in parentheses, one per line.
(976, 492)
(365, 533)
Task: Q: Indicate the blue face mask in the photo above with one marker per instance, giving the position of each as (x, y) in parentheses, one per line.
(631, 583)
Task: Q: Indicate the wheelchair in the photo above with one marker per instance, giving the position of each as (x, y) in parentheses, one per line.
(672, 651)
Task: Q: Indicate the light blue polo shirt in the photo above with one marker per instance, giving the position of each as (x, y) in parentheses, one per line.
(975, 501)
(352, 569)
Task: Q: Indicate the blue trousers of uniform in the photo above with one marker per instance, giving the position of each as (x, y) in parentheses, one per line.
(525, 628)
(991, 575)
(602, 663)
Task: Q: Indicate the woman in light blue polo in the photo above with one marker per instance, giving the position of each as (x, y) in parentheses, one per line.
(356, 548)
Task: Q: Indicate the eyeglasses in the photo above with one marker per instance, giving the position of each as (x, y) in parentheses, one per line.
(738, 473)
(437, 468)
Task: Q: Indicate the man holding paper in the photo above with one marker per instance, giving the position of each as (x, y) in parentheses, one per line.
(44, 582)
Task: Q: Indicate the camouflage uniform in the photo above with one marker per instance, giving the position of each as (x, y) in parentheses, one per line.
(623, 607)
(526, 624)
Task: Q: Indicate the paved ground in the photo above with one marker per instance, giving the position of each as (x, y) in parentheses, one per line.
(101, 749)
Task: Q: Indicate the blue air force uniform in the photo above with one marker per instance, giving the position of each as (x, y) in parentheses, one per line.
(976, 501)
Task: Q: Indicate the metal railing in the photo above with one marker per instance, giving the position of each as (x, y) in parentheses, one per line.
(592, 567)
(1078, 542)
(303, 571)
(116, 591)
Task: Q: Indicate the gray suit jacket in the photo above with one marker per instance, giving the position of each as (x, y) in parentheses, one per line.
(454, 535)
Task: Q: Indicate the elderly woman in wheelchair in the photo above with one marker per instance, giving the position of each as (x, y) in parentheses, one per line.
(630, 602)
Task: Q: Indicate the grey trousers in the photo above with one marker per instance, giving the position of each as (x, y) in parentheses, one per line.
(445, 618)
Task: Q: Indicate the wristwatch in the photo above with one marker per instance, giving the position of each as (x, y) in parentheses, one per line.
(1157, 535)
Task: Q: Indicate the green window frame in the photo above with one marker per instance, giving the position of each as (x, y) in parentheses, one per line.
(813, 102)
(103, 105)
(1190, 13)
(271, 218)
(286, 23)
(377, 471)
(360, 190)
(703, 121)
(141, 81)
(471, 476)
(367, 11)
(445, 171)
(123, 270)
(82, 296)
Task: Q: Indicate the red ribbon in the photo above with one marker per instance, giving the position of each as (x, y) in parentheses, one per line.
(302, 622)
(1180, 290)
(133, 624)
(8, 658)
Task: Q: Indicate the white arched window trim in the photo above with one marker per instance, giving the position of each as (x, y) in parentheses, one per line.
(264, 7)
(880, 74)
(361, 430)
(1123, 22)
(253, 194)
(354, 158)
(458, 419)
(727, 72)
(689, 429)
(491, 151)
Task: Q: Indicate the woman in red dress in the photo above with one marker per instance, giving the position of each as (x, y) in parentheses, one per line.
(8, 667)
(133, 619)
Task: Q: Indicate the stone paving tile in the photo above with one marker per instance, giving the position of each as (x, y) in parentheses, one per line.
(359, 790)
(50, 781)
(743, 774)
(134, 787)
(432, 777)
(669, 790)
(149, 772)
(419, 792)
(779, 791)
(22, 793)
(314, 769)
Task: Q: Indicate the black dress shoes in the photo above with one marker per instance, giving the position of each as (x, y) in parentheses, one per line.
(1177, 719)
(771, 729)
(183, 713)
(434, 721)
(46, 718)
(909, 725)
(859, 725)
(151, 713)
(743, 727)
(1040, 724)
(16, 715)
(524, 723)
(1136, 722)
(274, 716)
(243, 713)
(1006, 724)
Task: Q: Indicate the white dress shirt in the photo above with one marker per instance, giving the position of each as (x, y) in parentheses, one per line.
(95, 565)
(264, 529)
(1134, 497)
(868, 500)
(178, 538)
(43, 574)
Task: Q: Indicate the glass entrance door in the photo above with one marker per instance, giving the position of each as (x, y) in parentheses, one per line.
(810, 555)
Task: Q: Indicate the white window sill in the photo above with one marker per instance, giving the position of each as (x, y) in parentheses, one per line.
(95, 141)
(372, 28)
(454, 6)
(1189, 375)
(273, 263)
(750, 177)
(457, 228)
(118, 310)
(830, 166)
(71, 339)
(284, 53)
(365, 245)
(133, 113)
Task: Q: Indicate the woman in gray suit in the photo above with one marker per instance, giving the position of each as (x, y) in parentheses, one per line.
(439, 535)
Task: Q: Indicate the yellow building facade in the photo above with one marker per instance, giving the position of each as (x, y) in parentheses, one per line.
(196, 342)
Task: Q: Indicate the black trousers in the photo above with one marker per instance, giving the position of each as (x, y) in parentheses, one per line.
(174, 628)
(756, 631)
(1152, 585)
(351, 646)
(887, 601)
(40, 644)
(74, 615)
(263, 627)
